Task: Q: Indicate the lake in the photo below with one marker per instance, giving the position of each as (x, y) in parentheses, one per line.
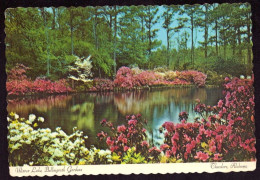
(86, 110)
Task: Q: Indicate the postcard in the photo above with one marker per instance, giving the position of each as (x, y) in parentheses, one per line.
(130, 89)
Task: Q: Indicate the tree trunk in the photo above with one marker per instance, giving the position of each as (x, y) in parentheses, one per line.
(71, 32)
(216, 39)
(115, 34)
(53, 20)
(192, 46)
(249, 61)
(47, 41)
(206, 31)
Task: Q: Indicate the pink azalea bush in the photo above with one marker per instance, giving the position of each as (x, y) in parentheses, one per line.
(130, 135)
(127, 78)
(224, 132)
(100, 84)
(19, 84)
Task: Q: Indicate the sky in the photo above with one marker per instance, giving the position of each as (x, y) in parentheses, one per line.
(198, 35)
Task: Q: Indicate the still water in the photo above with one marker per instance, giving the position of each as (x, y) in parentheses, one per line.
(86, 110)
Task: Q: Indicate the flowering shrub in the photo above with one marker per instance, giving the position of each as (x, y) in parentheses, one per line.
(129, 78)
(225, 131)
(124, 78)
(19, 84)
(198, 78)
(35, 146)
(81, 70)
(102, 85)
(130, 137)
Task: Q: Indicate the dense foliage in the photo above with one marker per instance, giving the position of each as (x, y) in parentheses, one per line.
(214, 37)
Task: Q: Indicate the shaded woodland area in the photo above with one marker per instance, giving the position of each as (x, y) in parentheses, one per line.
(45, 39)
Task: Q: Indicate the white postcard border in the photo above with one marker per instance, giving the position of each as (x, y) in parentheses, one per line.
(209, 167)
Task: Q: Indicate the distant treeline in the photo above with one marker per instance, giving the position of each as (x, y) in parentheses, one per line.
(45, 39)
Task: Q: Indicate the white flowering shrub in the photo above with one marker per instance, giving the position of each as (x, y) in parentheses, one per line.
(81, 70)
(29, 145)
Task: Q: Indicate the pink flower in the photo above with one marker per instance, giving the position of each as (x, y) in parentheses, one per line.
(109, 141)
(126, 148)
(101, 135)
(133, 117)
(144, 144)
(164, 147)
(216, 157)
(202, 156)
(154, 149)
(169, 126)
(132, 122)
(220, 103)
(143, 130)
(103, 122)
(121, 128)
(212, 149)
(113, 148)
(174, 150)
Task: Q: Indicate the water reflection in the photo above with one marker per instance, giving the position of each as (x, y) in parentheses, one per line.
(86, 110)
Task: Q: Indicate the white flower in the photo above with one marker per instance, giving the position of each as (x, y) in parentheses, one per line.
(45, 138)
(72, 155)
(16, 116)
(62, 133)
(86, 137)
(58, 153)
(40, 119)
(8, 119)
(28, 142)
(47, 130)
(75, 129)
(30, 163)
(53, 135)
(32, 117)
(58, 129)
(102, 153)
(16, 146)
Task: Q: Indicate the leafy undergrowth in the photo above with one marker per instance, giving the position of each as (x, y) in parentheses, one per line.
(19, 84)
(224, 132)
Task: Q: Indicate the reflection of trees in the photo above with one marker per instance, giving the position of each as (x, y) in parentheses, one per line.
(139, 101)
(83, 114)
(41, 104)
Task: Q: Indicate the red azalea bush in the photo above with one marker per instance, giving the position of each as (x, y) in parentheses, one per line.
(100, 84)
(19, 84)
(225, 131)
(132, 134)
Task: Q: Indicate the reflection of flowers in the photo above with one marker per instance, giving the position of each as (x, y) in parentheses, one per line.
(138, 101)
(24, 106)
